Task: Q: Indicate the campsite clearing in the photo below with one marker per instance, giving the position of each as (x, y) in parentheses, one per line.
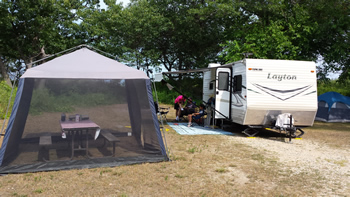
(212, 165)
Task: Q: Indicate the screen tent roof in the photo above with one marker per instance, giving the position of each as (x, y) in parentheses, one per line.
(84, 64)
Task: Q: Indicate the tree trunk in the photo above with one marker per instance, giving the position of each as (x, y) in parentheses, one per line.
(41, 55)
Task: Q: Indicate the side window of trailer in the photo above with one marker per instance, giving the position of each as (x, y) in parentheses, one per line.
(211, 85)
(223, 80)
(237, 83)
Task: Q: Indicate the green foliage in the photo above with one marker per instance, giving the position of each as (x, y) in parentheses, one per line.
(335, 86)
(300, 30)
(5, 93)
(44, 101)
(331, 36)
(166, 96)
(190, 87)
(271, 42)
(66, 95)
(31, 30)
(179, 34)
(175, 34)
(278, 30)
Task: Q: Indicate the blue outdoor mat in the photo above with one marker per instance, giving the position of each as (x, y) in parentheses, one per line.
(182, 129)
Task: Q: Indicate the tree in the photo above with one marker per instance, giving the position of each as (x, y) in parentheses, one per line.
(275, 29)
(134, 31)
(30, 30)
(332, 37)
(198, 27)
(177, 34)
(302, 30)
(95, 27)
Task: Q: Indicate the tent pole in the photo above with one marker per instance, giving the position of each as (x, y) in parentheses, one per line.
(42, 59)
(161, 120)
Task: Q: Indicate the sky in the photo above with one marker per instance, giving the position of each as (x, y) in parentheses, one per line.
(125, 3)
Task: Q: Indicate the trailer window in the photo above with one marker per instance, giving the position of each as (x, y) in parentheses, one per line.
(237, 83)
(223, 81)
(211, 85)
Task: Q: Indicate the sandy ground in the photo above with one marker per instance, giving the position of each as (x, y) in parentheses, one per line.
(326, 162)
(310, 157)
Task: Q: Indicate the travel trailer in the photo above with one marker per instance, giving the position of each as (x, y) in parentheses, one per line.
(254, 92)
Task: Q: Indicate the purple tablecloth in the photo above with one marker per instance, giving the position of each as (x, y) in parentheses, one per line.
(83, 124)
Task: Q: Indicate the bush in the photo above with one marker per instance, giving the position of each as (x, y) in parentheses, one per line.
(57, 95)
(5, 93)
(190, 87)
(44, 100)
(335, 86)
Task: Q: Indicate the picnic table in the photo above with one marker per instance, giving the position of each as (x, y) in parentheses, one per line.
(80, 130)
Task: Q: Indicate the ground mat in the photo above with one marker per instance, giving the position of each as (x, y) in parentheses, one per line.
(182, 129)
(81, 164)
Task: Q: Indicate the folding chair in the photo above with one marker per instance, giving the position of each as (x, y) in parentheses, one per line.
(163, 112)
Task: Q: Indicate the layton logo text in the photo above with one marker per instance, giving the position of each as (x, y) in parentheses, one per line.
(281, 77)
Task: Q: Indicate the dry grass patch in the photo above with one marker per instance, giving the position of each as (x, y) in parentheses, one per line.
(334, 134)
(205, 165)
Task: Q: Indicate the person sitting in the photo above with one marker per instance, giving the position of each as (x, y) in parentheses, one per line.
(197, 115)
(189, 108)
(178, 106)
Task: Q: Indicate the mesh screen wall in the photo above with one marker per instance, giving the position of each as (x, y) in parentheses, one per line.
(122, 108)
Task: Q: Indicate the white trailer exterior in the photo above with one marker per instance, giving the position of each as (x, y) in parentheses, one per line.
(256, 91)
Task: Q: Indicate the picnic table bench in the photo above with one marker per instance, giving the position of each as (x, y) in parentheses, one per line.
(45, 141)
(108, 136)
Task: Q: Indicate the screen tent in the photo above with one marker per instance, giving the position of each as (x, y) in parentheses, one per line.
(110, 94)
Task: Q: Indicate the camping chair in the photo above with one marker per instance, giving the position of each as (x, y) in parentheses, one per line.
(161, 111)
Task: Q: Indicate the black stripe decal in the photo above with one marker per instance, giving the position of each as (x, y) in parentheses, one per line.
(273, 92)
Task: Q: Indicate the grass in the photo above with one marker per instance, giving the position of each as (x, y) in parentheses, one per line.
(5, 94)
(206, 165)
(1, 124)
(221, 170)
(341, 163)
(323, 126)
(336, 135)
(192, 150)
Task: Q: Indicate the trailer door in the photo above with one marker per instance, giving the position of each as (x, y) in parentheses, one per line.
(222, 99)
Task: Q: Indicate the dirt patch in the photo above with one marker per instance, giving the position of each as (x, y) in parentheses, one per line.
(306, 161)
